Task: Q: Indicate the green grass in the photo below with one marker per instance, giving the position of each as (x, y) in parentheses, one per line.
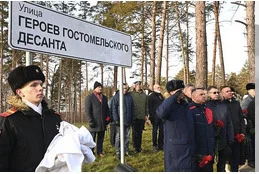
(146, 161)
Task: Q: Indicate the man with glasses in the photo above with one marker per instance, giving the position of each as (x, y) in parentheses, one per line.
(238, 125)
(225, 136)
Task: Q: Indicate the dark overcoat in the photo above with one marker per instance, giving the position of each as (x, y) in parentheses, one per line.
(178, 135)
(97, 112)
(221, 112)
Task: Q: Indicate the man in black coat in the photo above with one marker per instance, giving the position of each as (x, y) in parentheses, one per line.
(238, 125)
(97, 113)
(224, 136)
(154, 100)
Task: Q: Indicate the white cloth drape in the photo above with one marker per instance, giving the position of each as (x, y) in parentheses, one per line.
(68, 150)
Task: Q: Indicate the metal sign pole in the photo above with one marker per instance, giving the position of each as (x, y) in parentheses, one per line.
(28, 58)
(121, 117)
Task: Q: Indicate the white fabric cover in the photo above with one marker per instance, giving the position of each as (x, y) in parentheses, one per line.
(68, 150)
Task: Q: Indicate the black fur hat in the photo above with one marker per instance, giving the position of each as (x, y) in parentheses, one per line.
(97, 84)
(250, 86)
(137, 83)
(23, 74)
(174, 85)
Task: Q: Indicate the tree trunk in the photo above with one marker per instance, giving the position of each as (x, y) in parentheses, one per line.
(13, 58)
(74, 113)
(71, 91)
(160, 46)
(142, 44)
(167, 50)
(221, 58)
(146, 84)
(216, 14)
(41, 61)
(181, 43)
(1, 58)
(153, 47)
(80, 95)
(201, 45)
(187, 43)
(250, 21)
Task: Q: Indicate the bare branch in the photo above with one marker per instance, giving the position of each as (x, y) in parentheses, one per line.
(238, 3)
(241, 22)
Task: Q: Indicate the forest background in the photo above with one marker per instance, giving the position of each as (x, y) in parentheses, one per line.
(164, 34)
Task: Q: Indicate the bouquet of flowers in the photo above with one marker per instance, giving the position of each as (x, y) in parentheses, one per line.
(219, 124)
(239, 137)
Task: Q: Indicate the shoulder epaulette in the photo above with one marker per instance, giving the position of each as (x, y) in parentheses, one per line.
(192, 107)
(8, 112)
(58, 113)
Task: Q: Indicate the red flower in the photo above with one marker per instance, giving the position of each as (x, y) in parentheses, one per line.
(205, 160)
(108, 118)
(201, 165)
(245, 111)
(209, 157)
(219, 123)
(239, 137)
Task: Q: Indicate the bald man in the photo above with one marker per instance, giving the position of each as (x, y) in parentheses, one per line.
(154, 100)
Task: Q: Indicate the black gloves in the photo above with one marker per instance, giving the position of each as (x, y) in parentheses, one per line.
(92, 124)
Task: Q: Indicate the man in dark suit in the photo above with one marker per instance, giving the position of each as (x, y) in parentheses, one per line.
(97, 113)
(154, 100)
(238, 125)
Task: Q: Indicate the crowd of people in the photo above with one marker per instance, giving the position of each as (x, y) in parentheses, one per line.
(195, 127)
